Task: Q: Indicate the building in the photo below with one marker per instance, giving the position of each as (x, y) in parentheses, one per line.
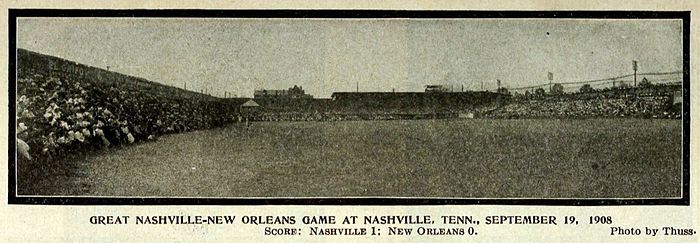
(296, 92)
(436, 88)
(415, 102)
(250, 107)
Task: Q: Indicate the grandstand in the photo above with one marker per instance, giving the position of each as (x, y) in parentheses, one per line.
(656, 97)
(64, 106)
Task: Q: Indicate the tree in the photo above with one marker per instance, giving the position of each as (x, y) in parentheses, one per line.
(539, 92)
(623, 85)
(586, 88)
(557, 89)
(645, 83)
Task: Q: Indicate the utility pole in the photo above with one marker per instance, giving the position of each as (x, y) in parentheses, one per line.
(550, 76)
(482, 85)
(634, 66)
(357, 86)
(185, 85)
(498, 83)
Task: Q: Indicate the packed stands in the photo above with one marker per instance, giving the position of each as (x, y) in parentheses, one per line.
(66, 107)
(631, 106)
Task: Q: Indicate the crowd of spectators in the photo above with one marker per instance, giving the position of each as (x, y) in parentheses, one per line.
(59, 114)
(344, 116)
(634, 106)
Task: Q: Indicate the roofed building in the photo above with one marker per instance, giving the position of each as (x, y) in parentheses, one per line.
(296, 92)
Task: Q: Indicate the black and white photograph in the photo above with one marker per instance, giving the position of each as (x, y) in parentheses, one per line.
(331, 108)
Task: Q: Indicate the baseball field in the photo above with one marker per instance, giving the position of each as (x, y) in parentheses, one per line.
(462, 158)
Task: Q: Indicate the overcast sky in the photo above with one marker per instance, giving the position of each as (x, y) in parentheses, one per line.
(326, 56)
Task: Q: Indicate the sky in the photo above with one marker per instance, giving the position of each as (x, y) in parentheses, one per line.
(340, 55)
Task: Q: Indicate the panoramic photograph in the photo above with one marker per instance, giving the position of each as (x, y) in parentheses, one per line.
(345, 108)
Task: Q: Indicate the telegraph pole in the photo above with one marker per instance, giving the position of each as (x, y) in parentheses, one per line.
(634, 66)
(550, 76)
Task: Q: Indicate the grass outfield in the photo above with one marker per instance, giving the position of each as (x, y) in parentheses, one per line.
(596, 158)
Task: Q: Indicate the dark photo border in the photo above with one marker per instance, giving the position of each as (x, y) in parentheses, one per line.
(13, 198)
